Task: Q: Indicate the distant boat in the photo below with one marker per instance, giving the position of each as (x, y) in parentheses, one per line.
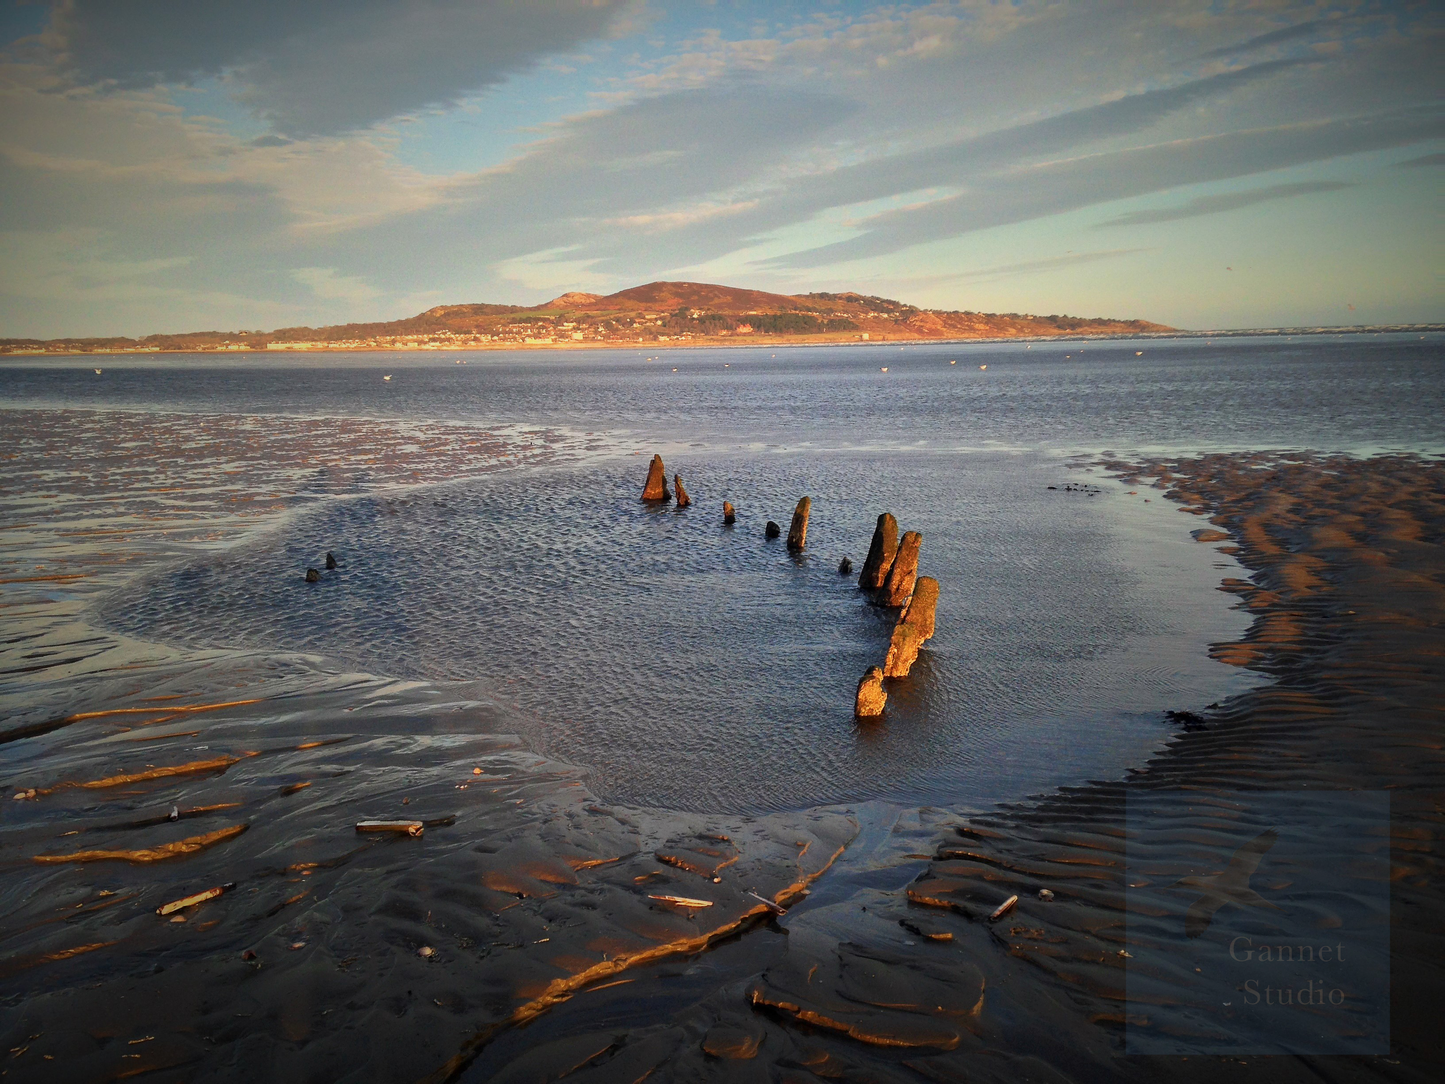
(953, 363)
(99, 371)
(387, 377)
(1138, 353)
(981, 368)
(885, 368)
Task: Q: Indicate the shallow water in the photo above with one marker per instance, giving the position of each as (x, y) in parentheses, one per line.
(1358, 393)
(696, 666)
(166, 674)
(681, 664)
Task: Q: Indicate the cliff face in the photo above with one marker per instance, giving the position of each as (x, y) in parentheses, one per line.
(672, 312)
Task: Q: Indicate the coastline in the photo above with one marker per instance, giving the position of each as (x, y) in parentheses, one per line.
(534, 853)
(757, 342)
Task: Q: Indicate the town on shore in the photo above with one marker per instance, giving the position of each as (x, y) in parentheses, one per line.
(675, 313)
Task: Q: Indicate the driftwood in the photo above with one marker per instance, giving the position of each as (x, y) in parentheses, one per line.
(190, 901)
(411, 828)
(1003, 908)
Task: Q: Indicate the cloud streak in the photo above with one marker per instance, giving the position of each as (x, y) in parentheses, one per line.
(1068, 185)
(320, 67)
(1229, 201)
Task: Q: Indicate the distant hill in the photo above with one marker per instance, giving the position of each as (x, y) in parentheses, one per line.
(679, 313)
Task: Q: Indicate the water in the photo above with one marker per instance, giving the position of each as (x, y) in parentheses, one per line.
(1361, 393)
(682, 664)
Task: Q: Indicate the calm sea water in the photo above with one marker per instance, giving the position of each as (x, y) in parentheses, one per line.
(690, 665)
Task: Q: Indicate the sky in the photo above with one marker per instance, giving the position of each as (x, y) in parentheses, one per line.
(169, 165)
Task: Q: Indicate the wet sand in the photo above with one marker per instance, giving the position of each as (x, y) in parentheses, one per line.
(526, 934)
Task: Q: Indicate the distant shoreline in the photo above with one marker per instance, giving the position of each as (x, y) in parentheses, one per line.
(754, 342)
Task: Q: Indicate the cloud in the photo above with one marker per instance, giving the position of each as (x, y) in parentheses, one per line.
(1228, 201)
(792, 199)
(1050, 188)
(314, 67)
(1029, 267)
(1436, 159)
(759, 148)
(326, 284)
(626, 173)
(1273, 37)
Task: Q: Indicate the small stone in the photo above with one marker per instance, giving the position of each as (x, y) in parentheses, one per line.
(656, 488)
(1045, 894)
(871, 694)
(772, 530)
(313, 576)
(845, 566)
(904, 572)
(683, 500)
(729, 515)
(880, 553)
(915, 625)
(330, 560)
(798, 532)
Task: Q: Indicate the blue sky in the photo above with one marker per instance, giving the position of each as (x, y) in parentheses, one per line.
(169, 165)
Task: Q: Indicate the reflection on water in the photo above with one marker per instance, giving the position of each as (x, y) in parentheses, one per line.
(1351, 393)
(697, 666)
(670, 661)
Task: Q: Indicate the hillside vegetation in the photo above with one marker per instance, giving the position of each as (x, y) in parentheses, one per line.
(693, 313)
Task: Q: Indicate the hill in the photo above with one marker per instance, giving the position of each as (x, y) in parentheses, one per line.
(678, 313)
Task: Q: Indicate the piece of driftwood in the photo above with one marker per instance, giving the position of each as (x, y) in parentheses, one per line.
(776, 908)
(411, 828)
(1003, 908)
(190, 901)
(681, 901)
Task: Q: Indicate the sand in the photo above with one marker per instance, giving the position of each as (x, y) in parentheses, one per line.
(531, 933)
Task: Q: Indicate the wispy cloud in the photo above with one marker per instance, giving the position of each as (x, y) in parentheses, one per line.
(1436, 159)
(1273, 37)
(326, 284)
(314, 67)
(1070, 184)
(1229, 201)
(1031, 267)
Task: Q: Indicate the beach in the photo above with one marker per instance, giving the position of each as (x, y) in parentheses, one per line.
(546, 921)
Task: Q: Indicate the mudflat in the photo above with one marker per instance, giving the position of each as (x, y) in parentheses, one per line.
(527, 932)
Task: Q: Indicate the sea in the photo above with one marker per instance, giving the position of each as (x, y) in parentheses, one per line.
(495, 564)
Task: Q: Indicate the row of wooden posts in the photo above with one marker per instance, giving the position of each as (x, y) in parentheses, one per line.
(890, 574)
